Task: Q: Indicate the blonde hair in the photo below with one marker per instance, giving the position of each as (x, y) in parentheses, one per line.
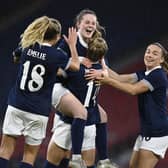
(42, 28)
(97, 49)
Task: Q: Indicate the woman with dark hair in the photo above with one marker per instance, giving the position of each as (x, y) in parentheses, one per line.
(150, 85)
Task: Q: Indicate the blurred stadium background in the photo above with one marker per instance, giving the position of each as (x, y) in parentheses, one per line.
(130, 27)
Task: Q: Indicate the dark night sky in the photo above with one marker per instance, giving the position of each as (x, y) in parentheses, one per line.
(129, 24)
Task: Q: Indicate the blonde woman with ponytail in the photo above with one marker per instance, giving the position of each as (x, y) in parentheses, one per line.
(29, 101)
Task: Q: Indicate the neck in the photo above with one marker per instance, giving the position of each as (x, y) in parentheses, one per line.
(88, 63)
(52, 41)
(48, 42)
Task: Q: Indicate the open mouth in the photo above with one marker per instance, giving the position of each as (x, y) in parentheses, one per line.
(88, 31)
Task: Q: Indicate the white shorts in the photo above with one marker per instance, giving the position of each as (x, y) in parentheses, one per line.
(57, 93)
(157, 145)
(32, 126)
(62, 135)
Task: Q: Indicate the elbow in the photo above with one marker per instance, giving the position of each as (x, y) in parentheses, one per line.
(75, 66)
(16, 60)
(133, 92)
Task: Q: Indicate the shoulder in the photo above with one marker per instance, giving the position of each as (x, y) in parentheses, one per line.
(157, 78)
(97, 66)
(158, 74)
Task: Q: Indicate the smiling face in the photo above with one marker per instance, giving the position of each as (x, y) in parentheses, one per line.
(153, 56)
(87, 26)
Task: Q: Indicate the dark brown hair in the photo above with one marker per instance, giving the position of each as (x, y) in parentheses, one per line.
(164, 55)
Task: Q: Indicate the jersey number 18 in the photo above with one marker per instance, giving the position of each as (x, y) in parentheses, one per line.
(36, 81)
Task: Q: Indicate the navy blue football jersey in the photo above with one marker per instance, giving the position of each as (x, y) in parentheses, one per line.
(153, 104)
(36, 77)
(81, 49)
(86, 91)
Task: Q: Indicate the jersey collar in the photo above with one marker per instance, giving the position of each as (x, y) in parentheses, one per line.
(46, 44)
(82, 41)
(149, 71)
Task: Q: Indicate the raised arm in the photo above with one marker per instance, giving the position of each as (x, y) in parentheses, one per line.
(71, 41)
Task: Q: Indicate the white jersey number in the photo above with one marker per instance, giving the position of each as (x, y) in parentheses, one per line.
(89, 93)
(36, 81)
